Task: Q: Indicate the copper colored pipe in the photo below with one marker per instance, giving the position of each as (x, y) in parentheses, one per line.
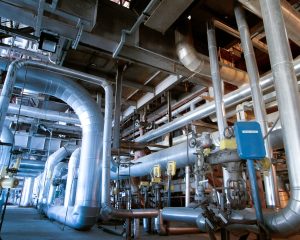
(182, 230)
(135, 213)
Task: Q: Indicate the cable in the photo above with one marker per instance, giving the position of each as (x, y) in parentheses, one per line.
(271, 129)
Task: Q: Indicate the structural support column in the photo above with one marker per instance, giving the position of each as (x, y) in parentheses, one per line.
(286, 221)
(272, 197)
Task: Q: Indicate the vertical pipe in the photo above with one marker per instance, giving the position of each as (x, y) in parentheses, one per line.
(272, 197)
(117, 111)
(286, 221)
(27, 192)
(170, 118)
(217, 87)
(255, 191)
(187, 186)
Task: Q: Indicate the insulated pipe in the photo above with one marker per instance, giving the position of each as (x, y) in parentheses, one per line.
(230, 99)
(85, 211)
(32, 164)
(50, 164)
(218, 90)
(27, 192)
(290, 15)
(143, 165)
(6, 137)
(198, 63)
(216, 79)
(286, 221)
(43, 114)
(58, 172)
(272, 197)
(71, 185)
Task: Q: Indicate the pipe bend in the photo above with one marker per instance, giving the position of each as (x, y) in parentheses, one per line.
(79, 217)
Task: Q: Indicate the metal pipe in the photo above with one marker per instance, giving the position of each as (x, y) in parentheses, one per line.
(87, 199)
(138, 22)
(233, 32)
(50, 164)
(43, 114)
(58, 172)
(199, 63)
(5, 150)
(32, 164)
(135, 213)
(272, 197)
(290, 15)
(144, 164)
(287, 220)
(27, 192)
(72, 178)
(230, 99)
(255, 191)
(117, 112)
(216, 79)
(187, 186)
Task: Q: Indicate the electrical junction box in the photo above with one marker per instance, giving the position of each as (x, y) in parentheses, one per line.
(249, 139)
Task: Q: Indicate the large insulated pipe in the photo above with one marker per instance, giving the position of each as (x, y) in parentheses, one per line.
(272, 197)
(49, 115)
(6, 137)
(51, 162)
(198, 63)
(59, 170)
(290, 15)
(26, 197)
(84, 213)
(230, 99)
(286, 221)
(72, 178)
(143, 165)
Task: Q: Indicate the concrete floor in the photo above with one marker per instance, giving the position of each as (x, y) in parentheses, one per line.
(27, 224)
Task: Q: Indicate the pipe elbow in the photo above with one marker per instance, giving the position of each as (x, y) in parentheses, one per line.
(81, 218)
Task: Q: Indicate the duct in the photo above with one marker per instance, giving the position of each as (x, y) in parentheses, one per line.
(27, 192)
(87, 199)
(72, 178)
(230, 99)
(44, 114)
(134, 28)
(6, 137)
(198, 63)
(58, 173)
(272, 197)
(286, 221)
(144, 164)
(50, 164)
(290, 15)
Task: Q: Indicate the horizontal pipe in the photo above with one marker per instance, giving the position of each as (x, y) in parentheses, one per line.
(135, 213)
(230, 99)
(44, 114)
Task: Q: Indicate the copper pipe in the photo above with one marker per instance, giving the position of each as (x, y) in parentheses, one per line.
(182, 230)
(135, 213)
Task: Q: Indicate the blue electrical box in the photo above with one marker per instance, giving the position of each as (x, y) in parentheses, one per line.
(249, 140)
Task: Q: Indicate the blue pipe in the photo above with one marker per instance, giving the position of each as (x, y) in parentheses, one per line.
(255, 191)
